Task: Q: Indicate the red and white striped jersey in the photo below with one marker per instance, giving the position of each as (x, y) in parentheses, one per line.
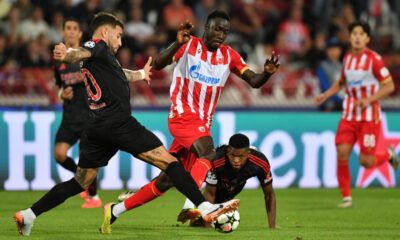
(363, 74)
(200, 76)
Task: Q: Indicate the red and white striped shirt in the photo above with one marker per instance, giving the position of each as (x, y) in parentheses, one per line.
(200, 76)
(363, 74)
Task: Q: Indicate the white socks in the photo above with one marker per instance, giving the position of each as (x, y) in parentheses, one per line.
(119, 209)
(28, 215)
(345, 199)
(188, 204)
(95, 197)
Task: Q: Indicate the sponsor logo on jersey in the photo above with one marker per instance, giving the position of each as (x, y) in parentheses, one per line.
(89, 44)
(194, 72)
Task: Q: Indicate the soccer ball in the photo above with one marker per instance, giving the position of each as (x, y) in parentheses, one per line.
(227, 222)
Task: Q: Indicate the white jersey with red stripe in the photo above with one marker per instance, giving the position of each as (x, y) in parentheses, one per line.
(363, 74)
(200, 76)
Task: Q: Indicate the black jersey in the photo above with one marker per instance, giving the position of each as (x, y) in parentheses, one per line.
(75, 110)
(230, 182)
(106, 84)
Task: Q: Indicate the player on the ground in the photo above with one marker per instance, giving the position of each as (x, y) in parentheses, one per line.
(111, 127)
(72, 91)
(367, 81)
(202, 68)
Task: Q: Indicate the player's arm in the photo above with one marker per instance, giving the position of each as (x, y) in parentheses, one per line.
(64, 94)
(334, 89)
(71, 55)
(209, 193)
(256, 80)
(166, 57)
(270, 204)
(385, 89)
(142, 74)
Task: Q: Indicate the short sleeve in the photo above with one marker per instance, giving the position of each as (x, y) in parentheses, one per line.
(180, 52)
(237, 64)
(95, 46)
(211, 178)
(265, 178)
(379, 70)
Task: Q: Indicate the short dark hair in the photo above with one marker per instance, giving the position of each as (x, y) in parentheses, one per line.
(71, 19)
(218, 14)
(104, 18)
(364, 25)
(239, 141)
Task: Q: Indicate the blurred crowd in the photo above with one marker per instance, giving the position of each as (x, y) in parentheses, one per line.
(309, 35)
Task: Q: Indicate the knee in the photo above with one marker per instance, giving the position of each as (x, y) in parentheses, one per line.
(366, 161)
(210, 155)
(163, 184)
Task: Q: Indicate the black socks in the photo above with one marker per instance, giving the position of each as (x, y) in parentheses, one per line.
(184, 182)
(57, 195)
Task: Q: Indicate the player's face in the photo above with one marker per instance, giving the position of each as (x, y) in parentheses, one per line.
(238, 157)
(72, 33)
(358, 38)
(215, 33)
(114, 38)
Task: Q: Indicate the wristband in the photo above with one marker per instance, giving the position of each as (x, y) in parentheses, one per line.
(142, 73)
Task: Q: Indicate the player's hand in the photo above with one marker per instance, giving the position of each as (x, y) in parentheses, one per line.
(319, 99)
(60, 51)
(183, 35)
(147, 72)
(67, 93)
(363, 102)
(272, 64)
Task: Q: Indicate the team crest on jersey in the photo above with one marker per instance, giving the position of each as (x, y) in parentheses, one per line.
(220, 59)
(198, 50)
(89, 44)
(202, 129)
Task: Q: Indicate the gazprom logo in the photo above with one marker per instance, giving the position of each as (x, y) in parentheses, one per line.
(194, 72)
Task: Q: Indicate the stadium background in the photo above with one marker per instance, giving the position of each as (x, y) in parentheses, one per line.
(280, 118)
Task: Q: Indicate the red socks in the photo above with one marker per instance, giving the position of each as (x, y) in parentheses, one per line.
(147, 193)
(380, 158)
(199, 171)
(343, 174)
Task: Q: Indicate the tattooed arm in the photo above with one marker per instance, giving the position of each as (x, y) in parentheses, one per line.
(142, 74)
(70, 55)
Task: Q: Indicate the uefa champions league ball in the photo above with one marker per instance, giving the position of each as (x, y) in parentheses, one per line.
(227, 222)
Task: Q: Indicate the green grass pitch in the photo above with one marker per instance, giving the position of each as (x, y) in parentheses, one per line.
(301, 213)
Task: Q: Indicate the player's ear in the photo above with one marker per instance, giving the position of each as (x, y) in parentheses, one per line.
(80, 35)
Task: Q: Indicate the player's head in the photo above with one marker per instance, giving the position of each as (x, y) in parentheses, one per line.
(216, 29)
(238, 150)
(71, 32)
(359, 35)
(108, 28)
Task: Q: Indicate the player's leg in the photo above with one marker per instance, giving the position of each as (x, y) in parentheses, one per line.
(369, 157)
(67, 135)
(345, 139)
(57, 195)
(343, 173)
(204, 150)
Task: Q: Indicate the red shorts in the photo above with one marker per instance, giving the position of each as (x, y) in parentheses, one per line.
(366, 133)
(186, 129)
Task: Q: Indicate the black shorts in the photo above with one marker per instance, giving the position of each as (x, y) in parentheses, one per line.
(69, 132)
(99, 144)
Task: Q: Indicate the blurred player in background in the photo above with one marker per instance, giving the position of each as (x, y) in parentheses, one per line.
(72, 91)
(111, 127)
(201, 71)
(367, 81)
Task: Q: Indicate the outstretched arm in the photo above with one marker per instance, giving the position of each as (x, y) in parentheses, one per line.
(71, 55)
(270, 204)
(256, 80)
(182, 37)
(209, 193)
(142, 74)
